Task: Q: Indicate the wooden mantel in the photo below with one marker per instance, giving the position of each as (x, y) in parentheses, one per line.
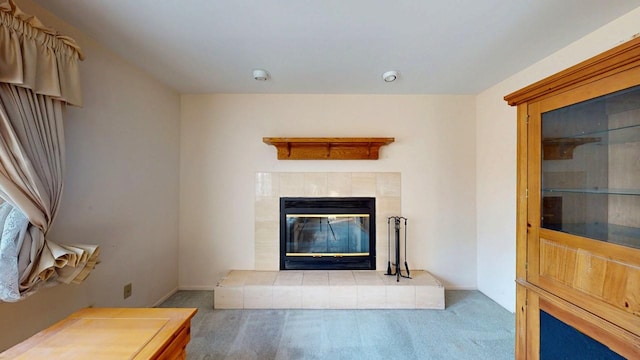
(298, 148)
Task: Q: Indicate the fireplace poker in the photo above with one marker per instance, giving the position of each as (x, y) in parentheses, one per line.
(397, 223)
(406, 266)
(389, 246)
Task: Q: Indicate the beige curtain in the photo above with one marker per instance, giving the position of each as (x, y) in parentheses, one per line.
(38, 77)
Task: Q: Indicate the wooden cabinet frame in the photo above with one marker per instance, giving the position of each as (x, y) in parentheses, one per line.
(604, 303)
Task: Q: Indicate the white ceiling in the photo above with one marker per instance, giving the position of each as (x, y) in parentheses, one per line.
(336, 46)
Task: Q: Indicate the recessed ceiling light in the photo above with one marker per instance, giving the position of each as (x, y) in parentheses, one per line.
(390, 76)
(260, 74)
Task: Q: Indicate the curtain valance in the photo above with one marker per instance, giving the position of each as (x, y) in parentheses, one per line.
(37, 57)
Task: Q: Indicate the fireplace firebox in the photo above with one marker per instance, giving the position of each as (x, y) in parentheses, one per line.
(327, 233)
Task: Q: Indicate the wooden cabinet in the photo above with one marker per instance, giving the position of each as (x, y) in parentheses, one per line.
(111, 333)
(578, 206)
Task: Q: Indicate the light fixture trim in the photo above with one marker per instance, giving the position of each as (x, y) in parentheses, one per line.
(260, 75)
(390, 76)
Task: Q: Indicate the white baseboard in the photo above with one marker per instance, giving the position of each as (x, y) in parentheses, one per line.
(162, 299)
(196, 287)
(449, 287)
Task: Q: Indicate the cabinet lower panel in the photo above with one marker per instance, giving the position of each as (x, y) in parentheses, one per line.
(559, 340)
(614, 282)
(609, 338)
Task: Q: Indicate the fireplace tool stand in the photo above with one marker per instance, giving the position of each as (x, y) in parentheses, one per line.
(398, 272)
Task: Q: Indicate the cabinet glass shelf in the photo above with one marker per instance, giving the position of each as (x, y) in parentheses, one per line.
(595, 191)
(611, 233)
(620, 135)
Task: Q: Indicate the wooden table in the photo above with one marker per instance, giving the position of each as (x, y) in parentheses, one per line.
(111, 333)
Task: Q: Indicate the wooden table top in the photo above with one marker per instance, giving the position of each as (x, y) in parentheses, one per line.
(106, 333)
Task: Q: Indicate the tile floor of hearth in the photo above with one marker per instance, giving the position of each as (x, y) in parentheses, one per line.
(333, 289)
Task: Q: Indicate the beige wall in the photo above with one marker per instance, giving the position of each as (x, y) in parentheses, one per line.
(496, 156)
(121, 191)
(222, 149)
(122, 179)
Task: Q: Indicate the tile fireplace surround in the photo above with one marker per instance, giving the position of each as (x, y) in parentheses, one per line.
(266, 287)
(270, 186)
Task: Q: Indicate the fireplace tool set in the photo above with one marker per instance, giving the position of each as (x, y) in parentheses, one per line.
(397, 225)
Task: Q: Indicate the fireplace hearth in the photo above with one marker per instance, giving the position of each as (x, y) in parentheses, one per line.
(327, 233)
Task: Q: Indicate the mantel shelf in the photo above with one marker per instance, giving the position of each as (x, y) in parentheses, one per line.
(298, 148)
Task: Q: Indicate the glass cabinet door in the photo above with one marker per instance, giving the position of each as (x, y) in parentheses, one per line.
(590, 173)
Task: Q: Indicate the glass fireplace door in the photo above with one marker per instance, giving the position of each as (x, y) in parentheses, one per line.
(327, 233)
(336, 235)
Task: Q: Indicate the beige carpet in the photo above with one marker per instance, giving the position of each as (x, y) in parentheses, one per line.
(471, 327)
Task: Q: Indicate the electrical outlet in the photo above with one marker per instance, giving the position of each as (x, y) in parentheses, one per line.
(127, 290)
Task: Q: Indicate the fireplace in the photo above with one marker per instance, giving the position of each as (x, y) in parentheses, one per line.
(327, 233)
